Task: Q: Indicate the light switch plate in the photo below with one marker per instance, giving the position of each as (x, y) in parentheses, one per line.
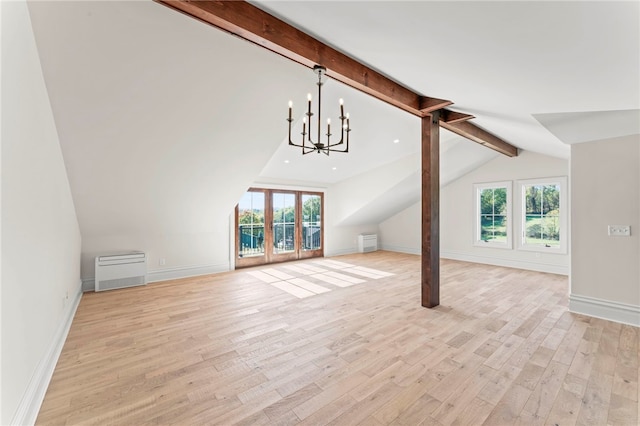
(619, 230)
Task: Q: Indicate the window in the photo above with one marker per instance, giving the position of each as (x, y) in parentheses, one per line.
(493, 215)
(544, 214)
(275, 225)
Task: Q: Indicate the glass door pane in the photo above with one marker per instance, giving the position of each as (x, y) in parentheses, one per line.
(311, 222)
(251, 209)
(284, 223)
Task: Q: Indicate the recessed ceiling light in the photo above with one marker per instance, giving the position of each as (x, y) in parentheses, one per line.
(396, 141)
(333, 168)
(286, 161)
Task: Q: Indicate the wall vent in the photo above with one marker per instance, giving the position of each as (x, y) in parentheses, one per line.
(120, 270)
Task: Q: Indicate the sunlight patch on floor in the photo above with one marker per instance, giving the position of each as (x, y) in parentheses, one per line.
(320, 277)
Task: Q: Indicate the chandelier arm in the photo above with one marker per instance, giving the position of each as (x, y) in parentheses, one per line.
(290, 141)
(331, 145)
(347, 146)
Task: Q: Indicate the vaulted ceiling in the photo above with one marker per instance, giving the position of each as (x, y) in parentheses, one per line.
(143, 93)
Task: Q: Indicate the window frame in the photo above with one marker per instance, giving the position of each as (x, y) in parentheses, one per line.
(477, 228)
(269, 256)
(560, 181)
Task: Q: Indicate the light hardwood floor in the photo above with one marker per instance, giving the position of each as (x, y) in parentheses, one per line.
(231, 349)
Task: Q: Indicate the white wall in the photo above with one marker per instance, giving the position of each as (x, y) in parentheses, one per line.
(402, 232)
(605, 271)
(356, 205)
(156, 161)
(40, 233)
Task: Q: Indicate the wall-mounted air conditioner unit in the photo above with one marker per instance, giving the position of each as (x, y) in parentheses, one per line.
(367, 243)
(120, 270)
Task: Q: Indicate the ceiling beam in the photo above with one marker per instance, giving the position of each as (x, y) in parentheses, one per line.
(449, 116)
(481, 136)
(257, 26)
(428, 105)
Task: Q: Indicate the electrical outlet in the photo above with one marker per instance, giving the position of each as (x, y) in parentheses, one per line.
(619, 230)
(162, 261)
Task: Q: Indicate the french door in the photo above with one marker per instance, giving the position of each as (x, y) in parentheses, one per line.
(277, 226)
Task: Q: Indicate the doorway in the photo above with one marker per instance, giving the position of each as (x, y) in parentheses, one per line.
(275, 225)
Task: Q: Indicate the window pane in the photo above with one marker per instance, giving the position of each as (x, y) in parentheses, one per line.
(311, 225)
(500, 201)
(551, 199)
(486, 227)
(551, 231)
(493, 228)
(533, 229)
(486, 201)
(533, 199)
(284, 222)
(500, 229)
(251, 224)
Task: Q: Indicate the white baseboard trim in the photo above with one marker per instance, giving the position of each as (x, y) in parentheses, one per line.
(88, 284)
(185, 272)
(340, 252)
(509, 263)
(605, 309)
(401, 249)
(27, 411)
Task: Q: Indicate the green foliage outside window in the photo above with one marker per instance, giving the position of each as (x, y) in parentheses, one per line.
(493, 215)
(542, 215)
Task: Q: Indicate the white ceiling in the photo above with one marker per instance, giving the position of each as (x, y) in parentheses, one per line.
(524, 69)
(504, 62)
(141, 93)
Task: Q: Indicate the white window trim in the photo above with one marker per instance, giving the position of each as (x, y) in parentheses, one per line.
(476, 223)
(564, 211)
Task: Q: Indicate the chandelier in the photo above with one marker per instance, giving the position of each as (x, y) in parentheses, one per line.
(308, 145)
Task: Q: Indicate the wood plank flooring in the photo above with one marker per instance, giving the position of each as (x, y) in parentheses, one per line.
(225, 349)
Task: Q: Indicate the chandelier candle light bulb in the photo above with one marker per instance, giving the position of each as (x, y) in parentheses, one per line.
(308, 145)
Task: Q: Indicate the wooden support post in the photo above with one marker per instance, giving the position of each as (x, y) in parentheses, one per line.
(431, 210)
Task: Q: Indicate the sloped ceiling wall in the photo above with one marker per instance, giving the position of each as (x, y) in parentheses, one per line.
(159, 142)
(378, 194)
